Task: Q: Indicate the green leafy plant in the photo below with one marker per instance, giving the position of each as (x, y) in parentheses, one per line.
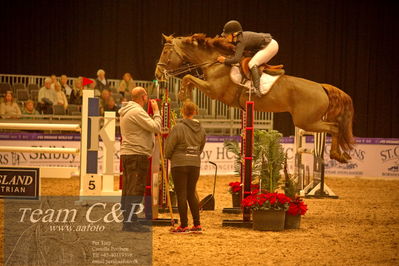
(233, 147)
(268, 157)
(290, 186)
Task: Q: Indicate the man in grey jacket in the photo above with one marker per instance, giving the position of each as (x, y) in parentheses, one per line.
(137, 129)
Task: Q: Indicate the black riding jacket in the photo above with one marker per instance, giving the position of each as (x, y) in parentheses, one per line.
(249, 41)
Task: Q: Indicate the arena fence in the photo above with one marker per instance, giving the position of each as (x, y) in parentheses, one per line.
(216, 117)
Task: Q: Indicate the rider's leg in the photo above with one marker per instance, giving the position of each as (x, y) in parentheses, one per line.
(261, 57)
(255, 75)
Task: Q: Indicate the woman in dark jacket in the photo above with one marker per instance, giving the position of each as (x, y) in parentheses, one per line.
(184, 146)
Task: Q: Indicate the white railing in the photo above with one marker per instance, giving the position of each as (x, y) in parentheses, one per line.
(214, 112)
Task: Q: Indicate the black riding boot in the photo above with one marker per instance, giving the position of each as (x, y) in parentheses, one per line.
(255, 75)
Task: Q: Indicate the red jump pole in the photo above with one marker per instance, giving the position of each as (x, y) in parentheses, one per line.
(248, 150)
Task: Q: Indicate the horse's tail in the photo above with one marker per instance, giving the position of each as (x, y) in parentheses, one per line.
(341, 110)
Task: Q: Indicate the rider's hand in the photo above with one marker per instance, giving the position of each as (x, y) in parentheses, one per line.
(154, 106)
(221, 59)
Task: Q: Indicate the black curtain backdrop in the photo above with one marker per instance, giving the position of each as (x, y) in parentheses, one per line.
(350, 44)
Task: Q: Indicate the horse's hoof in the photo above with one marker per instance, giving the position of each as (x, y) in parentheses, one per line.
(335, 155)
(346, 156)
(342, 160)
(338, 157)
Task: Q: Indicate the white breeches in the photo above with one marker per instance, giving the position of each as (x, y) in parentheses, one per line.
(263, 56)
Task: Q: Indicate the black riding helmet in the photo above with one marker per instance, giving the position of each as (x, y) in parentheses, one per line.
(231, 27)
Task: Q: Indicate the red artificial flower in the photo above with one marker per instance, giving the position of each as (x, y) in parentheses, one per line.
(297, 207)
(235, 187)
(261, 198)
(254, 186)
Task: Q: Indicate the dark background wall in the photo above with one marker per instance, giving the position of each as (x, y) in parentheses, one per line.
(350, 44)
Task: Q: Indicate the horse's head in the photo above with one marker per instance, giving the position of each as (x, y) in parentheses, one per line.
(170, 58)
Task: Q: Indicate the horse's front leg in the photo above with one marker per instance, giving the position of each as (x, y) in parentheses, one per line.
(189, 82)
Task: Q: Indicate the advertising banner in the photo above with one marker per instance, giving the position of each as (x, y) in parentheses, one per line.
(371, 157)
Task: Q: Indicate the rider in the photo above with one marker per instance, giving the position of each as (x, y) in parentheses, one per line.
(261, 43)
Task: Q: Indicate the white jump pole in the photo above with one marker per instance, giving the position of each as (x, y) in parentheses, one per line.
(33, 126)
(84, 135)
(317, 186)
(107, 134)
(91, 183)
(39, 149)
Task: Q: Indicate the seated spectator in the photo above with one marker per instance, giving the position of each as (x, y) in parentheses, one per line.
(9, 108)
(61, 97)
(111, 106)
(77, 92)
(126, 85)
(92, 86)
(29, 109)
(105, 95)
(53, 80)
(65, 87)
(47, 97)
(101, 82)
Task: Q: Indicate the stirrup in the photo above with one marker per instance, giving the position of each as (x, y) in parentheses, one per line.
(253, 91)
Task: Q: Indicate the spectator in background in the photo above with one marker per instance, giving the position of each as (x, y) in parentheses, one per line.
(65, 87)
(61, 97)
(29, 109)
(53, 80)
(126, 86)
(105, 95)
(101, 82)
(92, 86)
(77, 92)
(9, 108)
(111, 106)
(47, 97)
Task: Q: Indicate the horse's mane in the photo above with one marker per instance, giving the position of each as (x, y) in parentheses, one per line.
(217, 42)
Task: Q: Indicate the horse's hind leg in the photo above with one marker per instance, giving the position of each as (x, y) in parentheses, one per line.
(319, 126)
(333, 130)
(335, 152)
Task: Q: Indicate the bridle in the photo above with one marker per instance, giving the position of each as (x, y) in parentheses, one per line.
(186, 67)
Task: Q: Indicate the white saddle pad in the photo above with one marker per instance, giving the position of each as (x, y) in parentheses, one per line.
(266, 80)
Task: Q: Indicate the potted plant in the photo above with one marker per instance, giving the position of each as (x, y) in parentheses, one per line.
(268, 209)
(235, 191)
(296, 209)
(235, 188)
(268, 158)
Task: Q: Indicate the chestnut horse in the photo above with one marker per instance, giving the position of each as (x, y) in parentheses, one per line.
(314, 107)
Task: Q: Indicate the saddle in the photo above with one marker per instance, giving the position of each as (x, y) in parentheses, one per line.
(268, 69)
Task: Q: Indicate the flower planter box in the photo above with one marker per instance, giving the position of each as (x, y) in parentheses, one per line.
(236, 197)
(268, 220)
(292, 221)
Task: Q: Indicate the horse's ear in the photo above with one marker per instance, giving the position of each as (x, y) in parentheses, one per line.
(167, 38)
